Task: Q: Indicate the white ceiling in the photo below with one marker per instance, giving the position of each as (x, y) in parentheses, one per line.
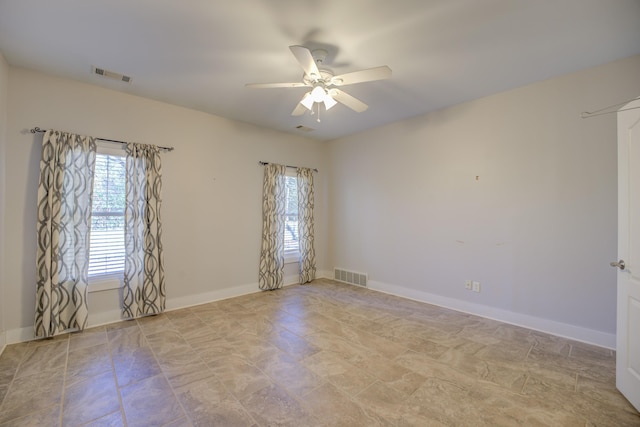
(200, 53)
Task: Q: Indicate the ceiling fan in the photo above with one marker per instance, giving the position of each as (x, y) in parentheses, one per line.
(324, 84)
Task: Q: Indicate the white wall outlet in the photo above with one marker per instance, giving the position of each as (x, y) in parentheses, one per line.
(468, 284)
(476, 286)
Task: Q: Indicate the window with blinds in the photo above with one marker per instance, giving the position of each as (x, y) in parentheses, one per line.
(291, 248)
(106, 253)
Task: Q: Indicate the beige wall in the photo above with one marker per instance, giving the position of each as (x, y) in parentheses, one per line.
(401, 202)
(4, 85)
(212, 185)
(537, 228)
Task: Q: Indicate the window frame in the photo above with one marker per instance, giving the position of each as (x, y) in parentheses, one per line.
(104, 282)
(292, 257)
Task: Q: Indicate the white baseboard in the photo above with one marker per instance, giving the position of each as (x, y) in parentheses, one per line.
(217, 295)
(112, 316)
(19, 335)
(193, 300)
(577, 333)
(3, 341)
(104, 318)
(324, 274)
(565, 330)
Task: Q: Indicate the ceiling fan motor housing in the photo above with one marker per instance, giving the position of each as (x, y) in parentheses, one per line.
(319, 55)
(325, 79)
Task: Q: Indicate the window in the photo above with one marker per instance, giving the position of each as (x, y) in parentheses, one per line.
(291, 248)
(106, 252)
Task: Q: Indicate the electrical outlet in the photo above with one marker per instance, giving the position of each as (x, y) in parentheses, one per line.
(476, 286)
(468, 284)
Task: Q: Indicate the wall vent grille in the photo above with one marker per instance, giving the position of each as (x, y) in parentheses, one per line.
(111, 75)
(352, 277)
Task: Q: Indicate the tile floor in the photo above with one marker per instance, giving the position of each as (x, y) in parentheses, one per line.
(324, 354)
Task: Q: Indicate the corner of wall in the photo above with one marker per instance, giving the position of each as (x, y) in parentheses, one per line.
(507, 224)
(4, 87)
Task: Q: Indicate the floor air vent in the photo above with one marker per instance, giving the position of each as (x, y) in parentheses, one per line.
(352, 277)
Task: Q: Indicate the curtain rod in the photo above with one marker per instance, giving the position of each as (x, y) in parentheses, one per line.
(38, 130)
(588, 114)
(292, 167)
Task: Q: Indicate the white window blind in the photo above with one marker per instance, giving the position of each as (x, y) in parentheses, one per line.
(291, 247)
(106, 253)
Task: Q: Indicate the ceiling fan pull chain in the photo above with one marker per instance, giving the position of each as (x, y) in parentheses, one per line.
(318, 104)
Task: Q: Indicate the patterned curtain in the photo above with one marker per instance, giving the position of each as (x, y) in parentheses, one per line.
(64, 219)
(144, 288)
(273, 208)
(305, 225)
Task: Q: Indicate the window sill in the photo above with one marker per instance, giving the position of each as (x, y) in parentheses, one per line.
(104, 283)
(291, 259)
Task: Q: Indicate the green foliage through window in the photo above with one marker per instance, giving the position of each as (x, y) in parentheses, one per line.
(106, 255)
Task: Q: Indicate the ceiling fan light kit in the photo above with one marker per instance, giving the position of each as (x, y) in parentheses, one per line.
(307, 100)
(322, 80)
(318, 94)
(329, 102)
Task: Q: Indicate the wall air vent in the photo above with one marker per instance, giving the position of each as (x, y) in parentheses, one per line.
(351, 277)
(304, 128)
(110, 75)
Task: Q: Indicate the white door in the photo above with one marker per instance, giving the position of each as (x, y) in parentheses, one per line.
(628, 333)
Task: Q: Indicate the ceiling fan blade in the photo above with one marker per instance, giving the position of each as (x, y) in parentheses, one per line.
(270, 85)
(368, 75)
(344, 98)
(299, 110)
(305, 104)
(306, 61)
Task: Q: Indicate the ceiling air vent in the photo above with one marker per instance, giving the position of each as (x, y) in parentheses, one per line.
(304, 128)
(110, 75)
